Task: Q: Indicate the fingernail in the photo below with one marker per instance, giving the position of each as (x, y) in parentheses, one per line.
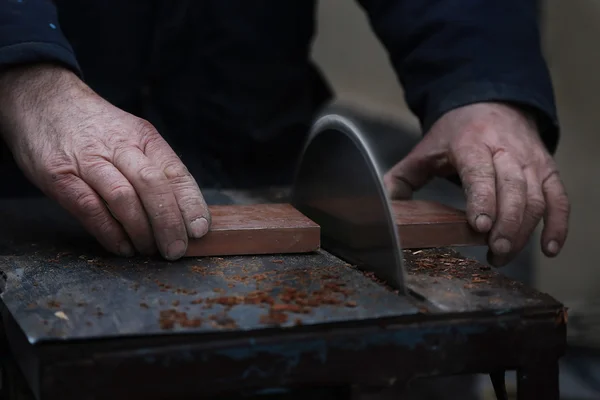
(125, 249)
(199, 227)
(502, 246)
(483, 223)
(176, 250)
(552, 247)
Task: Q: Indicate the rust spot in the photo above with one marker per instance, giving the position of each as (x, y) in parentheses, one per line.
(225, 300)
(169, 318)
(185, 291)
(274, 318)
(287, 307)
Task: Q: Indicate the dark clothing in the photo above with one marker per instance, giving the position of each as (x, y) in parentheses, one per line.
(231, 84)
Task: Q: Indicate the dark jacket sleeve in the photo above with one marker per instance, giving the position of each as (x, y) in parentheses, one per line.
(29, 33)
(451, 53)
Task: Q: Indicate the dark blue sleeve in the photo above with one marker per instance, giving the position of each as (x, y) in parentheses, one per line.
(450, 53)
(29, 33)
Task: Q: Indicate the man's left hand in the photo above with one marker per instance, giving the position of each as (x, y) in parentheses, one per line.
(510, 180)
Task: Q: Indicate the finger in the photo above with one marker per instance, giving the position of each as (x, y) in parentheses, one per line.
(76, 196)
(153, 189)
(534, 211)
(192, 205)
(556, 219)
(512, 200)
(477, 173)
(412, 172)
(123, 202)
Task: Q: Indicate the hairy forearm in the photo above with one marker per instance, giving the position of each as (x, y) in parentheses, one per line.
(32, 91)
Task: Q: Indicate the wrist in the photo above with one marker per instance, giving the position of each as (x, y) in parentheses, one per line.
(33, 84)
(27, 92)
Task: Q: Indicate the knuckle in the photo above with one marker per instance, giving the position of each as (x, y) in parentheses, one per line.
(94, 166)
(481, 185)
(121, 194)
(477, 172)
(58, 165)
(480, 191)
(149, 138)
(61, 182)
(177, 172)
(167, 219)
(188, 201)
(105, 227)
(514, 183)
(546, 161)
(164, 213)
(92, 148)
(552, 179)
(145, 129)
(151, 176)
(511, 219)
(510, 222)
(536, 206)
(89, 205)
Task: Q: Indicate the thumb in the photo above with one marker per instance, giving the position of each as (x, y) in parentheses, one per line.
(412, 172)
(396, 187)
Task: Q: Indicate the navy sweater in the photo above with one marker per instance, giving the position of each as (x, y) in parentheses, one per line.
(237, 74)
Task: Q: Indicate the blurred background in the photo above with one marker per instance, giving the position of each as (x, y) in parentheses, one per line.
(358, 68)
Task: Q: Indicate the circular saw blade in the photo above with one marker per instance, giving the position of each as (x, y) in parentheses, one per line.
(339, 185)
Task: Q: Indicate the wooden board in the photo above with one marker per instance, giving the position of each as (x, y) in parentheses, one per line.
(423, 224)
(280, 228)
(256, 229)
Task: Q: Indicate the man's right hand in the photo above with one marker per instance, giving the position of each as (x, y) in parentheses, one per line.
(111, 170)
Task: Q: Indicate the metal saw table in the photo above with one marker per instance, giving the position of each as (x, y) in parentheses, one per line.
(77, 324)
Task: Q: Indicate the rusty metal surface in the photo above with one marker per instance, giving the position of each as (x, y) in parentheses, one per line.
(75, 297)
(59, 285)
(452, 283)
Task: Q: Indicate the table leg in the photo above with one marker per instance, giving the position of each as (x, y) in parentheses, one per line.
(538, 381)
(13, 384)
